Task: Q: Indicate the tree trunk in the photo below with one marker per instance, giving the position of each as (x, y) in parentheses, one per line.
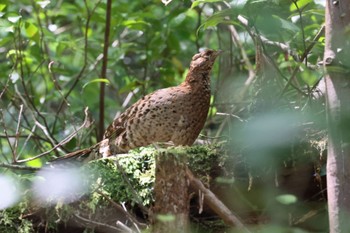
(337, 63)
(171, 194)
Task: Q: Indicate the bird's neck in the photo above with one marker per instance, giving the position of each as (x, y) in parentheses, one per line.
(198, 80)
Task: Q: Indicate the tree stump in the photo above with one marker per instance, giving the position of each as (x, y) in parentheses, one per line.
(171, 208)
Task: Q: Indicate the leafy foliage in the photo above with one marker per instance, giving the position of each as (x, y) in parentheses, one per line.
(50, 70)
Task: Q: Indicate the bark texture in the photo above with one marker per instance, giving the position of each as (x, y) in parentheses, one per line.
(171, 208)
(337, 63)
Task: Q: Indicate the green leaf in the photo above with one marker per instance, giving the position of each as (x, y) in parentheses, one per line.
(309, 77)
(43, 4)
(130, 86)
(34, 163)
(217, 18)
(136, 24)
(300, 3)
(196, 3)
(286, 199)
(2, 7)
(286, 24)
(31, 29)
(14, 19)
(97, 80)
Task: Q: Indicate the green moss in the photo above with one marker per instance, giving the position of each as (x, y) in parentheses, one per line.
(11, 220)
(126, 178)
(129, 178)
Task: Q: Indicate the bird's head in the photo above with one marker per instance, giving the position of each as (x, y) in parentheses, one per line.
(203, 61)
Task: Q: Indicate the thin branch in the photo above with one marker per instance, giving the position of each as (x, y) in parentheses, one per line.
(19, 167)
(250, 67)
(124, 227)
(52, 142)
(300, 12)
(104, 70)
(63, 142)
(4, 88)
(17, 132)
(119, 208)
(94, 224)
(26, 141)
(283, 48)
(216, 205)
(2, 121)
(313, 42)
(304, 55)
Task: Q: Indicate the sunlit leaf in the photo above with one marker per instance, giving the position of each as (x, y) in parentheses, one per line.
(14, 77)
(136, 24)
(9, 29)
(300, 3)
(196, 3)
(166, 2)
(286, 199)
(14, 19)
(31, 29)
(35, 163)
(97, 80)
(43, 4)
(2, 7)
(217, 18)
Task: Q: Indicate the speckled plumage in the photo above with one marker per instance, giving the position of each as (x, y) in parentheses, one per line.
(175, 114)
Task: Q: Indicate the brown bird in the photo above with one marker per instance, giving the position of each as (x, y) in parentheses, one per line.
(175, 114)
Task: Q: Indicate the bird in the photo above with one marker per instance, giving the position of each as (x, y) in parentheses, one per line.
(175, 114)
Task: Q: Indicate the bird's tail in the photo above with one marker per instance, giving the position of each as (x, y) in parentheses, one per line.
(83, 155)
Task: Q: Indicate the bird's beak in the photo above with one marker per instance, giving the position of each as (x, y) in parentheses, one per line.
(217, 53)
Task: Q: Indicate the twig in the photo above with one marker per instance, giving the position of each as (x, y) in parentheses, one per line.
(235, 38)
(215, 204)
(118, 207)
(126, 210)
(31, 111)
(23, 136)
(19, 167)
(46, 132)
(124, 227)
(17, 132)
(19, 60)
(4, 88)
(104, 70)
(300, 12)
(26, 141)
(93, 223)
(82, 70)
(61, 143)
(231, 115)
(282, 46)
(2, 121)
(304, 55)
